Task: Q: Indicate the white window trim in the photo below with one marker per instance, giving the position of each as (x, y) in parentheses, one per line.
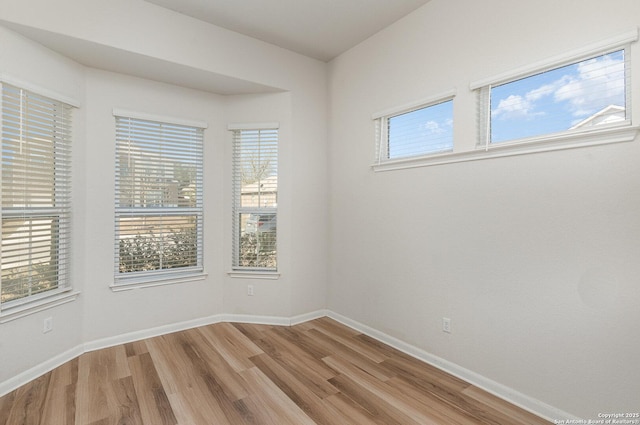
(382, 137)
(117, 112)
(418, 104)
(53, 299)
(254, 126)
(42, 91)
(138, 283)
(248, 273)
(522, 147)
(168, 276)
(254, 274)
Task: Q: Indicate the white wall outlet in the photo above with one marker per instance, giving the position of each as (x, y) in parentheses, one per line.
(446, 325)
(47, 325)
(250, 290)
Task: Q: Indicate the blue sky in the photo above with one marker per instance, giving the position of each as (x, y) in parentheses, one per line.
(556, 100)
(423, 131)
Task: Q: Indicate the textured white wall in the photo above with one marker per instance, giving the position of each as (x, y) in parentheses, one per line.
(534, 258)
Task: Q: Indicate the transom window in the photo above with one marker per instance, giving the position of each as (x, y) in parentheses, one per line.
(584, 94)
(415, 130)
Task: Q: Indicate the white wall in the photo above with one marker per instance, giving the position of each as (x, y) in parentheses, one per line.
(534, 258)
(109, 313)
(302, 205)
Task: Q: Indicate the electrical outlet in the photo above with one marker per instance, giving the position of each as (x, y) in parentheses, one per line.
(446, 325)
(250, 290)
(47, 325)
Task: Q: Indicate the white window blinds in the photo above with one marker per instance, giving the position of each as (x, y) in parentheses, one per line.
(159, 212)
(36, 182)
(255, 198)
(415, 130)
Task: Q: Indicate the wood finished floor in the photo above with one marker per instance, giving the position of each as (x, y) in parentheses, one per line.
(318, 372)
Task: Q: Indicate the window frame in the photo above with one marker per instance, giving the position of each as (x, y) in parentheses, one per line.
(61, 186)
(569, 138)
(381, 122)
(238, 209)
(162, 276)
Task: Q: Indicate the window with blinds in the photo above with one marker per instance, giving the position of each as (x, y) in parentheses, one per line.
(586, 94)
(415, 130)
(159, 212)
(36, 199)
(255, 198)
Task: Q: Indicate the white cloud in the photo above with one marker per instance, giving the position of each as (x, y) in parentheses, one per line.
(514, 106)
(547, 89)
(599, 83)
(595, 84)
(433, 127)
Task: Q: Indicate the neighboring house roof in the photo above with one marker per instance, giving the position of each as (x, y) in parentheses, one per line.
(610, 114)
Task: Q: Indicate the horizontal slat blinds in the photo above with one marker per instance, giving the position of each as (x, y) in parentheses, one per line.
(420, 132)
(255, 193)
(36, 182)
(159, 212)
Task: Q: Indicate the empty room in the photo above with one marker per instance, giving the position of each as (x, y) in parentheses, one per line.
(319, 212)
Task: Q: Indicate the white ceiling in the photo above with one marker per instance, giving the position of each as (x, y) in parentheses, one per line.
(320, 29)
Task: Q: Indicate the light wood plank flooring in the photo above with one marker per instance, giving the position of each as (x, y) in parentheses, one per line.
(318, 372)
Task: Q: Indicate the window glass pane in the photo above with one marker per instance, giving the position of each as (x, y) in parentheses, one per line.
(257, 162)
(257, 240)
(28, 163)
(586, 93)
(255, 183)
(157, 242)
(30, 256)
(423, 131)
(158, 165)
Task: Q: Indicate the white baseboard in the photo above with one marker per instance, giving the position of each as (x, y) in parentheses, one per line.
(36, 372)
(295, 320)
(274, 320)
(521, 400)
(257, 320)
(514, 397)
(150, 333)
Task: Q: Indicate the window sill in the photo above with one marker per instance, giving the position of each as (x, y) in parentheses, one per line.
(254, 274)
(32, 307)
(139, 283)
(521, 147)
